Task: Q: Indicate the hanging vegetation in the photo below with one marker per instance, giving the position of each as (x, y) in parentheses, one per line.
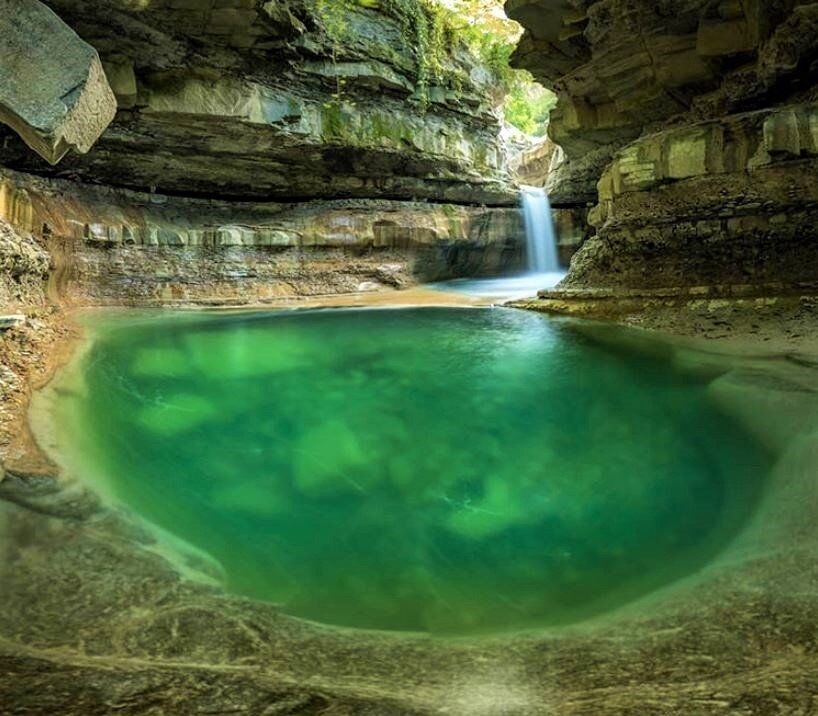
(434, 31)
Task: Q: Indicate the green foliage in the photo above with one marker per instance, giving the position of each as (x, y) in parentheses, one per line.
(333, 17)
(332, 120)
(528, 106)
(433, 33)
(423, 29)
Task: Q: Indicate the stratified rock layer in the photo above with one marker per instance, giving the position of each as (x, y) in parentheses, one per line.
(261, 101)
(692, 124)
(112, 245)
(24, 266)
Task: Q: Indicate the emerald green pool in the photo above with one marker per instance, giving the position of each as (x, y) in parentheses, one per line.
(444, 470)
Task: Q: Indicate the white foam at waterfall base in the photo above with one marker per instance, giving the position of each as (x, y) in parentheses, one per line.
(544, 270)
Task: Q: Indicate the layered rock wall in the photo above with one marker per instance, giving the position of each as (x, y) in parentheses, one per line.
(24, 268)
(276, 101)
(691, 126)
(723, 202)
(264, 150)
(113, 245)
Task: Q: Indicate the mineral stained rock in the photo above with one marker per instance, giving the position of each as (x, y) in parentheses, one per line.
(24, 266)
(53, 91)
(111, 245)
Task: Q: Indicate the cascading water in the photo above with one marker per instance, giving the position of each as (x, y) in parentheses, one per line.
(541, 239)
(544, 269)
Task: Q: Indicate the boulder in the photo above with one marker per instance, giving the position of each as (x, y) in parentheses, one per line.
(53, 90)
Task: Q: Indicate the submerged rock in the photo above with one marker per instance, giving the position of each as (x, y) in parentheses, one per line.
(175, 414)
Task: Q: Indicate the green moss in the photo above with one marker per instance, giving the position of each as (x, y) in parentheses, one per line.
(332, 122)
(423, 28)
(430, 33)
(381, 130)
(388, 129)
(454, 220)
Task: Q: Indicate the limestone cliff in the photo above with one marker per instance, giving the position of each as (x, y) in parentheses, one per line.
(692, 126)
(115, 245)
(264, 150)
(281, 100)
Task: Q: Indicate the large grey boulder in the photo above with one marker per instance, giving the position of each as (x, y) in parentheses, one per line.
(53, 90)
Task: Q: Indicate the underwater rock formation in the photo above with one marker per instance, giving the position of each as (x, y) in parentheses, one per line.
(691, 124)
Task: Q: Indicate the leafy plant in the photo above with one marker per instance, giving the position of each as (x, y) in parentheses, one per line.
(434, 33)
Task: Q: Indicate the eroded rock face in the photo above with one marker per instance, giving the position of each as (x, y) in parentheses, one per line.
(53, 91)
(692, 124)
(114, 245)
(24, 266)
(251, 100)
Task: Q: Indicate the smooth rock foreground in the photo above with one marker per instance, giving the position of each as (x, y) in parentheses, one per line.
(95, 618)
(53, 91)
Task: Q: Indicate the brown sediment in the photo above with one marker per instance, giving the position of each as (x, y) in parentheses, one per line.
(31, 354)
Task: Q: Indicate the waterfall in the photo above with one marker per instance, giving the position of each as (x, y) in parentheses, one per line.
(543, 262)
(541, 239)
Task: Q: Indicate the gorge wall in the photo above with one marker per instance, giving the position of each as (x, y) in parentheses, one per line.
(110, 245)
(691, 129)
(259, 149)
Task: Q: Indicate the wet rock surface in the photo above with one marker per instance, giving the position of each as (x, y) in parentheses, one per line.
(698, 118)
(95, 616)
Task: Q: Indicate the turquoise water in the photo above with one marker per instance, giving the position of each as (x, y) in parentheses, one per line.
(443, 470)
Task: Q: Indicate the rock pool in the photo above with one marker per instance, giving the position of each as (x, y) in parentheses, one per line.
(455, 471)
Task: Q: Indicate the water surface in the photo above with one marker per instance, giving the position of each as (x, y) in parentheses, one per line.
(444, 470)
(505, 288)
